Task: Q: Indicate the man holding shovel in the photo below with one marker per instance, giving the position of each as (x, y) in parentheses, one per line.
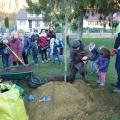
(79, 55)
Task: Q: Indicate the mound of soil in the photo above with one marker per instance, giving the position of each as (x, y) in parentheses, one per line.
(73, 102)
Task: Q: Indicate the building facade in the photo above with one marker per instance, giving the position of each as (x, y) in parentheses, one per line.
(28, 22)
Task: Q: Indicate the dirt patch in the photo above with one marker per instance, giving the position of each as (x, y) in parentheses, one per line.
(73, 102)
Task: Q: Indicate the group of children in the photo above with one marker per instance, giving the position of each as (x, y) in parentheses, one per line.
(100, 62)
(101, 59)
(22, 45)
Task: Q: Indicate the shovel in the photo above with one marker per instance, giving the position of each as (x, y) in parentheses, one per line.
(15, 54)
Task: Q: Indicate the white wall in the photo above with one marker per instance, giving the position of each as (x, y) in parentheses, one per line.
(25, 27)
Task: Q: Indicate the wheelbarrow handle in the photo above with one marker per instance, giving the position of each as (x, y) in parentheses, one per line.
(15, 54)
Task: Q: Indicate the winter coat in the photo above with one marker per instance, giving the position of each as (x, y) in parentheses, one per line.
(17, 47)
(95, 54)
(34, 47)
(51, 35)
(26, 44)
(61, 47)
(43, 42)
(117, 64)
(3, 49)
(77, 55)
(117, 41)
(35, 35)
(103, 63)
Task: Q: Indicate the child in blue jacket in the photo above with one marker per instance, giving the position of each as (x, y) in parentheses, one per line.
(34, 48)
(95, 54)
(58, 48)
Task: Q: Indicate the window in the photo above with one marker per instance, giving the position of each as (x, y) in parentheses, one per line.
(37, 23)
(30, 15)
(22, 22)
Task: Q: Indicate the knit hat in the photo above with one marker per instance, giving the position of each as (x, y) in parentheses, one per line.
(75, 44)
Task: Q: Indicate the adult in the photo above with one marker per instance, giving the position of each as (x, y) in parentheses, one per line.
(17, 47)
(44, 44)
(26, 45)
(5, 51)
(78, 55)
(51, 34)
(35, 35)
(116, 51)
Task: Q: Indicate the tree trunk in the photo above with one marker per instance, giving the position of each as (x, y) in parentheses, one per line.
(65, 53)
(80, 25)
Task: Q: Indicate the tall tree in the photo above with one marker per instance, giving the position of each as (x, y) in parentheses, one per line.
(6, 23)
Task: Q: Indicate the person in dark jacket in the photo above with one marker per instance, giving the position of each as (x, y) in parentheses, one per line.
(103, 64)
(51, 34)
(26, 45)
(116, 51)
(117, 42)
(78, 54)
(95, 54)
(35, 35)
(4, 50)
(34, 48)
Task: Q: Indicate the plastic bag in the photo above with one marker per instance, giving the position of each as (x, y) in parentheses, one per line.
(11, 104)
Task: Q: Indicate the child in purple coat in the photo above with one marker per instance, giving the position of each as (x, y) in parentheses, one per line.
(103, 64)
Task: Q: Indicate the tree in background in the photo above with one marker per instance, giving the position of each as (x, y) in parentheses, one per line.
(55, 9)
(6, 23)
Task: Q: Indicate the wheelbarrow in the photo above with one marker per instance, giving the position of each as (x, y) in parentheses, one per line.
(18, 73)
(23, 72)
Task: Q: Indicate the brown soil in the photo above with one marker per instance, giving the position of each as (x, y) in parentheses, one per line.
(77, 101)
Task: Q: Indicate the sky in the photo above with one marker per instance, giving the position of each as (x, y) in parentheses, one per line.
(11, 6)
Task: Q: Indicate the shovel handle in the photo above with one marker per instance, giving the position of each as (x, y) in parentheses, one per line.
(15, 54)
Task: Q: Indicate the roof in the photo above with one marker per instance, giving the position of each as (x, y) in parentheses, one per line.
(22, 15)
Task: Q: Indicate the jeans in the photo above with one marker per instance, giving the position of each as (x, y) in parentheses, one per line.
(57, 56)
(94, 66)
(118, 82)
(44, 55)
(25, 57)
(5, 60)
(49, 51)
(35, 57)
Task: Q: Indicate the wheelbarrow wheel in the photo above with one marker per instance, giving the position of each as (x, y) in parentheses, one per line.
(36, 81)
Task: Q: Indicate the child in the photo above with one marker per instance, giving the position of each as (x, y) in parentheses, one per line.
(58, 51)
(44, 45)
(103, 64)
(95, 54)
(61, 49)
(34, 48)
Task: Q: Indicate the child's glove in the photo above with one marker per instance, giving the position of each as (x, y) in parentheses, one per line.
(113, 52)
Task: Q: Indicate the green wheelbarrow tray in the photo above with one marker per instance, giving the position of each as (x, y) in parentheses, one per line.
(18, 73)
